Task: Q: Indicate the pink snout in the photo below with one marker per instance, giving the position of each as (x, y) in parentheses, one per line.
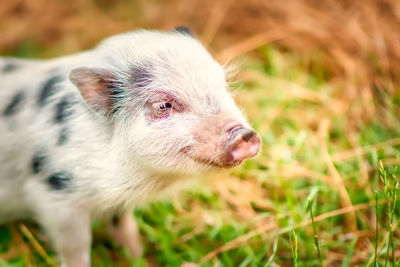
(243, 143)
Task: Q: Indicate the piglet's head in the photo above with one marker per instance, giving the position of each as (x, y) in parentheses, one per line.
(169, 104)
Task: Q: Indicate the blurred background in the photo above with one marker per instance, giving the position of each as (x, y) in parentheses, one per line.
(319, 80)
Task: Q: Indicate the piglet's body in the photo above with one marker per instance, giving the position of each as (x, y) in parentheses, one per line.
(96, 133)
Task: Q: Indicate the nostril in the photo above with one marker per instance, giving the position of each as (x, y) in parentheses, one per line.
(247, 134)
(233, 132)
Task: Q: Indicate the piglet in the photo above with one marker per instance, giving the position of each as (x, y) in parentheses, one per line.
(97, 133)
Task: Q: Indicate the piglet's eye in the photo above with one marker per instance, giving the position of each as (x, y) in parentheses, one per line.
(162, 106)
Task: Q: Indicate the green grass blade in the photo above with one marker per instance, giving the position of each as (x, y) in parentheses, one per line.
(294, 251)
(350, 251)
(376, 229)
(274, 249)
(315, 233)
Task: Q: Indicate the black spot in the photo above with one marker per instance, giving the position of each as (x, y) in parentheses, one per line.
(59, 180)
(184, 30)
(49, 89)
(64, 109)
(38, 161)
(12, 107)
(63, 136)
(142, 77)
(10, 67)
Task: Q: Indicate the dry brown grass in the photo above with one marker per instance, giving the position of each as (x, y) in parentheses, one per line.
(357, 41)
(359, 37)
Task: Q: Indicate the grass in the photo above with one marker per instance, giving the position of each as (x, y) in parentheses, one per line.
(294, 250)
(391, 182)
(376, 229)
(315, 146)
(316, 241)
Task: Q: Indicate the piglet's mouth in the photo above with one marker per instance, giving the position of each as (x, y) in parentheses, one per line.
(217, 164)
(207, 161)
(188, 151)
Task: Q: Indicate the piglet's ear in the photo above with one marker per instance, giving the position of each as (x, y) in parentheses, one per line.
(97, 87)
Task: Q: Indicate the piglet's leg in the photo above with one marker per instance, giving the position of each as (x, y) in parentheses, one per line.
(70, 232)
(125, 232)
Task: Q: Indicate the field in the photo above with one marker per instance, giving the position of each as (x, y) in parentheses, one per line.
(327, 110)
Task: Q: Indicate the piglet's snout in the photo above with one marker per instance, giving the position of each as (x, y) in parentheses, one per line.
(243, 143)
